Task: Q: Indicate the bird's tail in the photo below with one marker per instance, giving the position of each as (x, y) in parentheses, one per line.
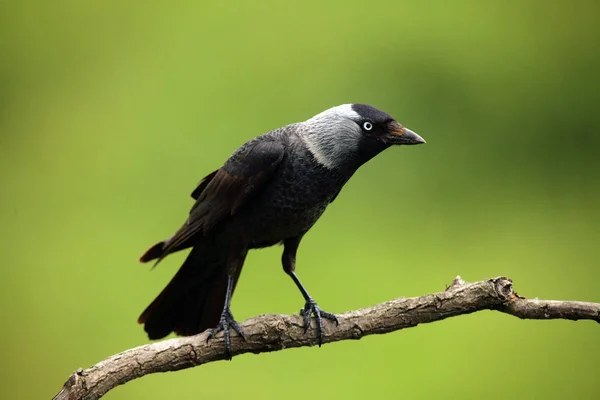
(192, 302)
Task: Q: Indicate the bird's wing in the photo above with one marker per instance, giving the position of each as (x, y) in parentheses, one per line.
(222, 193)
(202, 185)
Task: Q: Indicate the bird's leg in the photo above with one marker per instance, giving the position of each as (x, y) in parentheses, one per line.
(310, 306)
(227, 321)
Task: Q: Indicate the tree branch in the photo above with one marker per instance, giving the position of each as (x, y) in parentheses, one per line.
(277, 332)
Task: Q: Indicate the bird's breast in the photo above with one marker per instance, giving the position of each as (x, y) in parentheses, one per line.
(289, 204)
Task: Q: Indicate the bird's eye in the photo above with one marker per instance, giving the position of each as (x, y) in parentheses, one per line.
(367, 126)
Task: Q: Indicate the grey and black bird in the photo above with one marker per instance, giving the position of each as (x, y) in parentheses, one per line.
(270, 191)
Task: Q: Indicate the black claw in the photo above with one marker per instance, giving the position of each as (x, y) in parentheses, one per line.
(225, 323)
(311, 308)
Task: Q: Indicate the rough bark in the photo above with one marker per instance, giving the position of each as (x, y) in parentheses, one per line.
(277, 332)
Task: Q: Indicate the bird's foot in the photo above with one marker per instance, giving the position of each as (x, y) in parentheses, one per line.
(311, 308)
(225, 323)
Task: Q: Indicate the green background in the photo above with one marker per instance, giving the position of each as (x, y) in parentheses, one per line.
(112, 111)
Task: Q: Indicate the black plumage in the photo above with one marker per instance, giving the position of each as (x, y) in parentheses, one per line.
(271, 190)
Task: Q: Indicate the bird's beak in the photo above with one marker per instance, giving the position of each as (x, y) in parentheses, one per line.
(397, 134)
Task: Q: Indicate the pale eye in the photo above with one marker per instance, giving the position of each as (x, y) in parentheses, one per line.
(367, 126)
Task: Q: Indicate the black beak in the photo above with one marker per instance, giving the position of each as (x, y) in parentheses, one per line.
(401, 135)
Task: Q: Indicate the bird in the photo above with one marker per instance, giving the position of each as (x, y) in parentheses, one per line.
(270, 191)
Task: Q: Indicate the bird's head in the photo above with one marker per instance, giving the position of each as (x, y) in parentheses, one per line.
(353, 133)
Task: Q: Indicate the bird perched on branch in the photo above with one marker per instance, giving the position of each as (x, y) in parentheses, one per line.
(270, 191)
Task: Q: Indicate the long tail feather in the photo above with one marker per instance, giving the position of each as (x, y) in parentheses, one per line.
(192, 302)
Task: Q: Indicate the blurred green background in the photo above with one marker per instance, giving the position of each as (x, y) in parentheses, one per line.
(111, 112)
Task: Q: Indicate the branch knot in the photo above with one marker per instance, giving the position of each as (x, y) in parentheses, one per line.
(504, 288)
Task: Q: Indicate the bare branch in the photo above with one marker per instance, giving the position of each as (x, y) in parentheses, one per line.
(277, 332)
